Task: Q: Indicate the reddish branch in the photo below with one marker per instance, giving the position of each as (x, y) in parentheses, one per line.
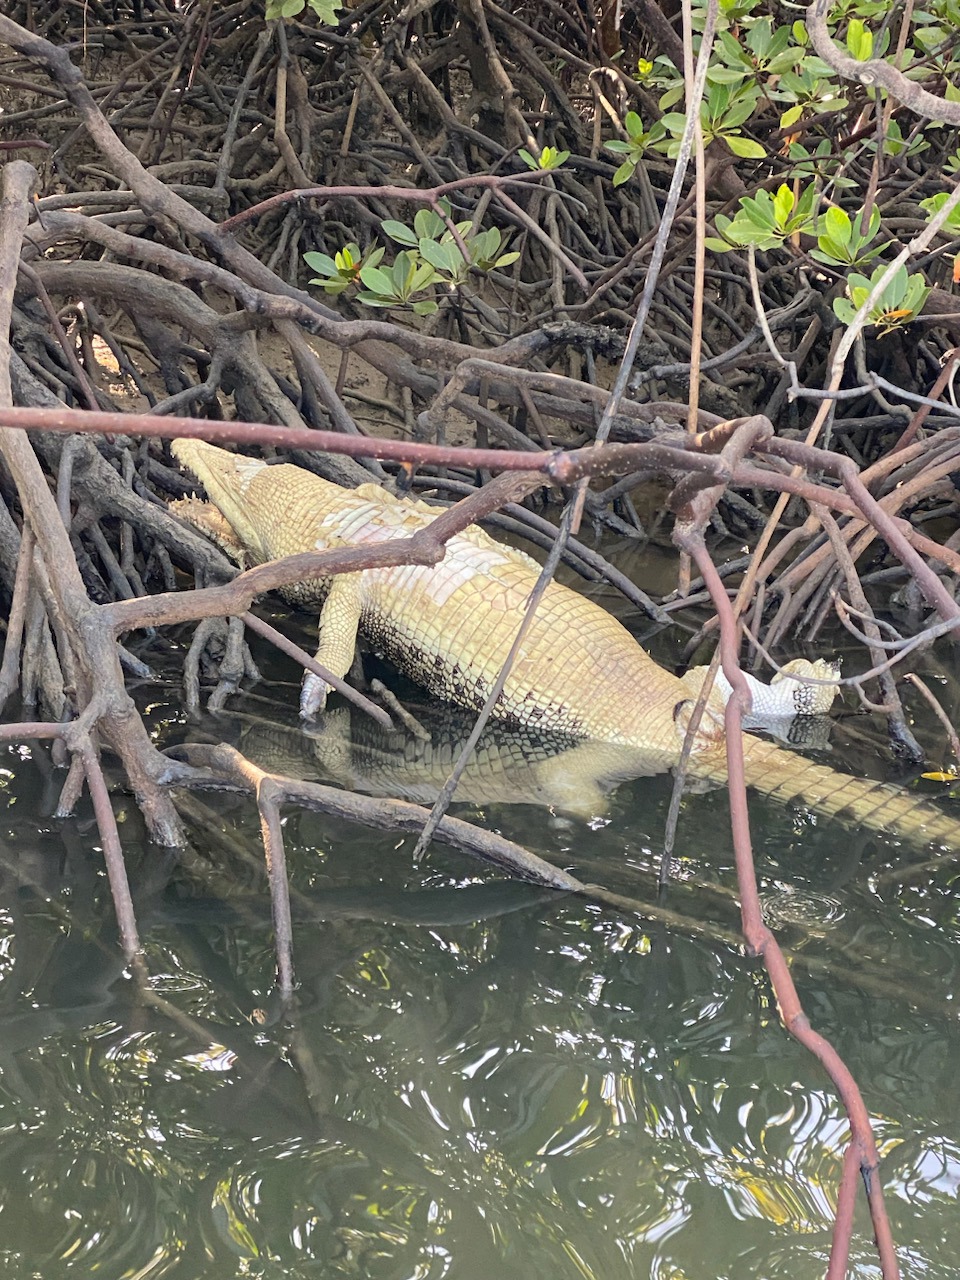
(761, 942)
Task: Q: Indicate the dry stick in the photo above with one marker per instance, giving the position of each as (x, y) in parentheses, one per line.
(853, 330)
(875, 72)
(239, 102)
(571, 516)
(950, 360)
(699, 254)
(442, 802)
(663, 234)
(110, 840)
(280, 641)
(860, 533)
(417, 195)
(269, 792)
(561, 468)
(280, 136)
(310, 367)
(401, 815)
(843, 1216)
(77, 738)
(10, 669)
(938, 711)
(66, 346)
(696, 342)
(683, 765)
(896, 719)
(96, 654)
(762, 943)
(757, 560)
(535, 229)
(398, 122)
(886, 526)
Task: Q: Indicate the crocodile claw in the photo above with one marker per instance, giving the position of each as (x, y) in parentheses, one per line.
(313, 696)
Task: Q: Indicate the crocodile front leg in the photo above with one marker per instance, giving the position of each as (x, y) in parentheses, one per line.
(339, 620)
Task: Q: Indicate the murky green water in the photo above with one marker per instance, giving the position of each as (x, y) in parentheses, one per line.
(481, 1079)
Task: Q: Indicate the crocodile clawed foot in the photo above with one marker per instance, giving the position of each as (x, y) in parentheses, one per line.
(313, 696)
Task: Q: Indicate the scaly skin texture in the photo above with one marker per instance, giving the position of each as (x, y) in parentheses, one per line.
(509, 765)
(450, 627)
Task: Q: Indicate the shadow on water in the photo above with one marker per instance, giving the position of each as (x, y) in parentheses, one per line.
(481, 1079)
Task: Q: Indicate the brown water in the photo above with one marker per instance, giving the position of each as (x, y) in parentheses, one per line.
(480, 1079)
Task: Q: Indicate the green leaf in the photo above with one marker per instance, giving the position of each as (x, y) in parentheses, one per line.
(674, 122)
(632, 123)
(758, 210)
(783, 204)
(782, 63)
(780, 45)
(321, 262)
(730, 48)
(377, 281)
(859, 40)
(404, 265)
(527, 159)
(864, 237)
(398, 231)
(829, 253)
(425, 307)
(718, 246)
(837, 225)
(624, 173)
(421, 275)
(727, 75)
(740, 111)
(428, 225)
(758, 37)
(619, 148)
(670, 99)
(326, 11)
(444, 257)
(507, 259)
(484, 245)
(791, 116)
(933, 205)
(348, 257)
(745, 147)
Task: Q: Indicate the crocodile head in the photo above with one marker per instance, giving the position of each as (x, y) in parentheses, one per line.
(226, 477)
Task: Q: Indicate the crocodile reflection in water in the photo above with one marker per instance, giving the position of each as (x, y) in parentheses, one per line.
(508, 766)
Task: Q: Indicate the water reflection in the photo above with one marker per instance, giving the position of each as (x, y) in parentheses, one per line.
(481, 1080)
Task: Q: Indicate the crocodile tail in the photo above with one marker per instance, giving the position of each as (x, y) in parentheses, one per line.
(878, 805)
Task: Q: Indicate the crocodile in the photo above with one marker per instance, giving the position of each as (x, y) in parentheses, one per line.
(509, 764)
(449, 627)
